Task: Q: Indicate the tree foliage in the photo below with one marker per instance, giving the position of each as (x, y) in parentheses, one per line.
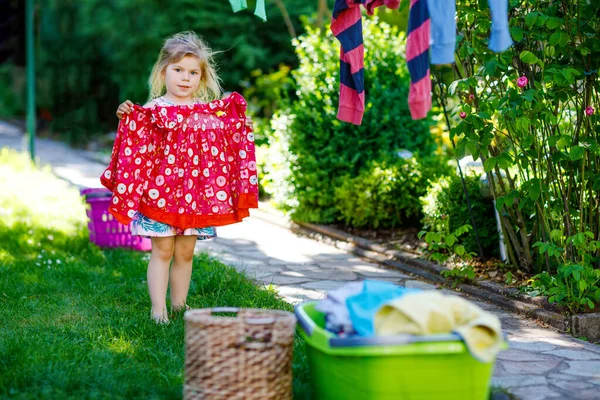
(94, 54)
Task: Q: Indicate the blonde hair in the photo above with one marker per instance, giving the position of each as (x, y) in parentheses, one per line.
(174, 49)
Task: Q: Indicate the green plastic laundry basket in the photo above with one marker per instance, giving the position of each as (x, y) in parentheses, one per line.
(400, 367)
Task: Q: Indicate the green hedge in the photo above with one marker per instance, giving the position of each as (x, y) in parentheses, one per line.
(312, 151)
(384, 194)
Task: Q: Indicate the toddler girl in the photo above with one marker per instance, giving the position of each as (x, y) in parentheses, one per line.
(181, 164)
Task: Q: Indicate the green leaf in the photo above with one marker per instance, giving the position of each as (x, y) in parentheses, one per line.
(553, 23)
(450, 240)
(437, 257)
(576, 153)
(556, 234)
(461, 150)
(516, 33)
(471, 274)
(568, 76)
(505, 161)
(500, 203)
(535, 189)
(559, 78)
(429, 237)
(473, 148)
(583, 285)
(529, 94)
(554, 39)
(452, 87)
(528, 57)
(560, 38)
(541, 21)
(562, 143)
(590, 304)
(491, 66)
(459, 250)
(565, 38)
(531, 18)
(462, 230)
(489, 164)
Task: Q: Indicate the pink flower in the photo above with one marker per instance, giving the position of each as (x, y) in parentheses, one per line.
(463, 115)
(522, 81)
(589, 111)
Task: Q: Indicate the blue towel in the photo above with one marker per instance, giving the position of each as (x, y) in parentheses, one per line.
(362, 307)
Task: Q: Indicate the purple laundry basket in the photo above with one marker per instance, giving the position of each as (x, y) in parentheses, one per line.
(105, 230)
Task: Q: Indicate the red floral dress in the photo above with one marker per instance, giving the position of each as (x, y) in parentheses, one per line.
(186, 166)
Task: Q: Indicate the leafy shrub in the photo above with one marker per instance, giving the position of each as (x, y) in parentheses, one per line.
(445, 199)
(575, 285)
(442, 245)
(274, 162)
(323, 152)
(383, 194)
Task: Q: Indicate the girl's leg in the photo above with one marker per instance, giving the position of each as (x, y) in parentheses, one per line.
(158, 275)
(181, 270)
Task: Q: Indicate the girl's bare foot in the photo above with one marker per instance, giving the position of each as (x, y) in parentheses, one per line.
(179, 308)
(160, 318)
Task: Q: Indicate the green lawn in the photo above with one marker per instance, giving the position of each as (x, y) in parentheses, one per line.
(75, 319)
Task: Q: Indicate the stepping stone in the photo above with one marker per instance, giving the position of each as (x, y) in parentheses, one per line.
(518, 381)
(324, 285)
(538, 392)
(527, 367)
(413, 284)
(583, 368)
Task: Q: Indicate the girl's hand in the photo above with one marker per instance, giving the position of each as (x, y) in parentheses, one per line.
(124, 108)
(249, 122)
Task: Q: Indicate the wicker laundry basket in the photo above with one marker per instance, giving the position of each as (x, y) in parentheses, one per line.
(246, 356)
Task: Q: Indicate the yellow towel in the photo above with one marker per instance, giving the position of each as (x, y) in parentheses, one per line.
(430, 312)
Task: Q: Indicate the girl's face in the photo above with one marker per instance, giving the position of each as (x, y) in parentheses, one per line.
(183, 78)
